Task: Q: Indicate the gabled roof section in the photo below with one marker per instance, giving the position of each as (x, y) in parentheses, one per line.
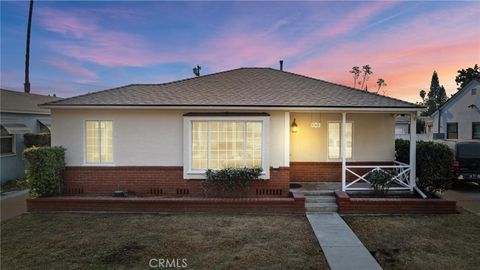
(243, 87)
(20, 102)
(454, 97)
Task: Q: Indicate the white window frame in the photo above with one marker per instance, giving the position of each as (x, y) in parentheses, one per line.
(353, 136)
(188, 173)
(85, 163)
(14, 146)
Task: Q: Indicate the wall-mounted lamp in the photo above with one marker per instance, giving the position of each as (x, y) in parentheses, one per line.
(294, 126)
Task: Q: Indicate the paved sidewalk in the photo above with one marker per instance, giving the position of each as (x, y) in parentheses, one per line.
(342, 248)
(13, 204)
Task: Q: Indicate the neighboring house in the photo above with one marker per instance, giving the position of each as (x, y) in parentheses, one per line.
(402, 128)
(459, 116)
(158, 139)
(20, 114)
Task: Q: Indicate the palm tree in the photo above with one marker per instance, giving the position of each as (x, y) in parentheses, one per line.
(380, 83)
(26, 85)
(356, 73)
(367, 71)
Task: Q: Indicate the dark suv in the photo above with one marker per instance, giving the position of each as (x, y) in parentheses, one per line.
(467, 162)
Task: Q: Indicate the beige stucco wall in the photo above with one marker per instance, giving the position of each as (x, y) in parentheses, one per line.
(373, 137)
(144, 137)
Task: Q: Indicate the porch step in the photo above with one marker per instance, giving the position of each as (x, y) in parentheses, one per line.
(318, 192)
(320, 199)
(321, 207)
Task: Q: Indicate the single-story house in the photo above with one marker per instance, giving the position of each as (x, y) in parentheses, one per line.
(459, 118)
(158, 139)
(19, 114)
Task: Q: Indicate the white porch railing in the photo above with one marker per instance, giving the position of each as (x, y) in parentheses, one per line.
(400, 176)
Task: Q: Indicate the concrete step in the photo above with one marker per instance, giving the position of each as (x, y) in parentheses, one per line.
(317, 192)
(320, 199)
(321, 207)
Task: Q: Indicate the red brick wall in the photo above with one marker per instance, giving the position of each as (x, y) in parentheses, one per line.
(324, 171)
(157, 180)
(348, 205)
(294, 204)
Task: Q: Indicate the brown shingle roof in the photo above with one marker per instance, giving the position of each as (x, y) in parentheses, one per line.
(19, 102)
(250, 87)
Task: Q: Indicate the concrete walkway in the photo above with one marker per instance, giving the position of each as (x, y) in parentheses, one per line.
(342, 248)
(467, 196)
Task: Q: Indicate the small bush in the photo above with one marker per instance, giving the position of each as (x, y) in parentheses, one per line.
(36, 139)
(230, 181)
(380, 179)
(434, 164)
(44, 171)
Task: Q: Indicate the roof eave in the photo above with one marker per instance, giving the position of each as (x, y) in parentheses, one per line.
(243, 107)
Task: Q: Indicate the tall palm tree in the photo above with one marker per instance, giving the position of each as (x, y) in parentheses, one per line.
(367, 71)
(380, 83)
(26, 85)
(356, 72)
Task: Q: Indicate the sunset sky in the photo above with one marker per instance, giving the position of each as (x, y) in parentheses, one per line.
(80, 47)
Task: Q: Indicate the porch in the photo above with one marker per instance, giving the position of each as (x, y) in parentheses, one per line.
(349, 147)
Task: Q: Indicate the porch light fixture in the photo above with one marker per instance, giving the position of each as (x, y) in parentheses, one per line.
(294, 126)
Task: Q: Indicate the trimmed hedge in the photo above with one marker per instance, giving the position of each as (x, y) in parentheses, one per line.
(230, 181)
(434, 164)
(45, 169)
(36, 139)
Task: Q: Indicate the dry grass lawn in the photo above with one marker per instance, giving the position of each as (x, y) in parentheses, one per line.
(129, 241)
(421, 242)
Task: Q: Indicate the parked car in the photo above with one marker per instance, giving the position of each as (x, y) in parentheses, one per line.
(467, 161)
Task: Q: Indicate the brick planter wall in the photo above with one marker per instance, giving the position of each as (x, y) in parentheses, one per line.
(157, 181)
(324, 171)
(293, 204)
(349, 205)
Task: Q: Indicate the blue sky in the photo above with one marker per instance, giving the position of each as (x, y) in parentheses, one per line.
(80, 47)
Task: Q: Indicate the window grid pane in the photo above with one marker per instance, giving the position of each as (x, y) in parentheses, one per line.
(99, 146)
(334, 140)
(226, 144)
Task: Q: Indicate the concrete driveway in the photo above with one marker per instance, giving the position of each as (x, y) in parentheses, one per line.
(13, 204)
(467, 196)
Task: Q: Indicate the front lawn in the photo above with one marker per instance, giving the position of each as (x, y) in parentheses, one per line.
(421, 242)
(126, 241)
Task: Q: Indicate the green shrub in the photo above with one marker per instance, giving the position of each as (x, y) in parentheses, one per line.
(45, 169)
(434, 164)
(36, 139)
(380, 179)
(230, 181)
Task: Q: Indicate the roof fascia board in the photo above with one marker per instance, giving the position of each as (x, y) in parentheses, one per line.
(25, 112)
(383, 109)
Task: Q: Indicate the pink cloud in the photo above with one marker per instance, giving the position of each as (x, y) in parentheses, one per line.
(85, 40)
(406, 56)
(353, 20)
(84, 75)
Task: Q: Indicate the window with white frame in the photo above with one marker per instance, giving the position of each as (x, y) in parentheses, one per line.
(219, 144)
(334, 140)
(99, 146)
(7, 141)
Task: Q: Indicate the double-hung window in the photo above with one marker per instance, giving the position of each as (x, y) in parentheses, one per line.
(7, 142)
(335, 141)
(476, 130)
(99, 146)
(452, 130)
(225, 143)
